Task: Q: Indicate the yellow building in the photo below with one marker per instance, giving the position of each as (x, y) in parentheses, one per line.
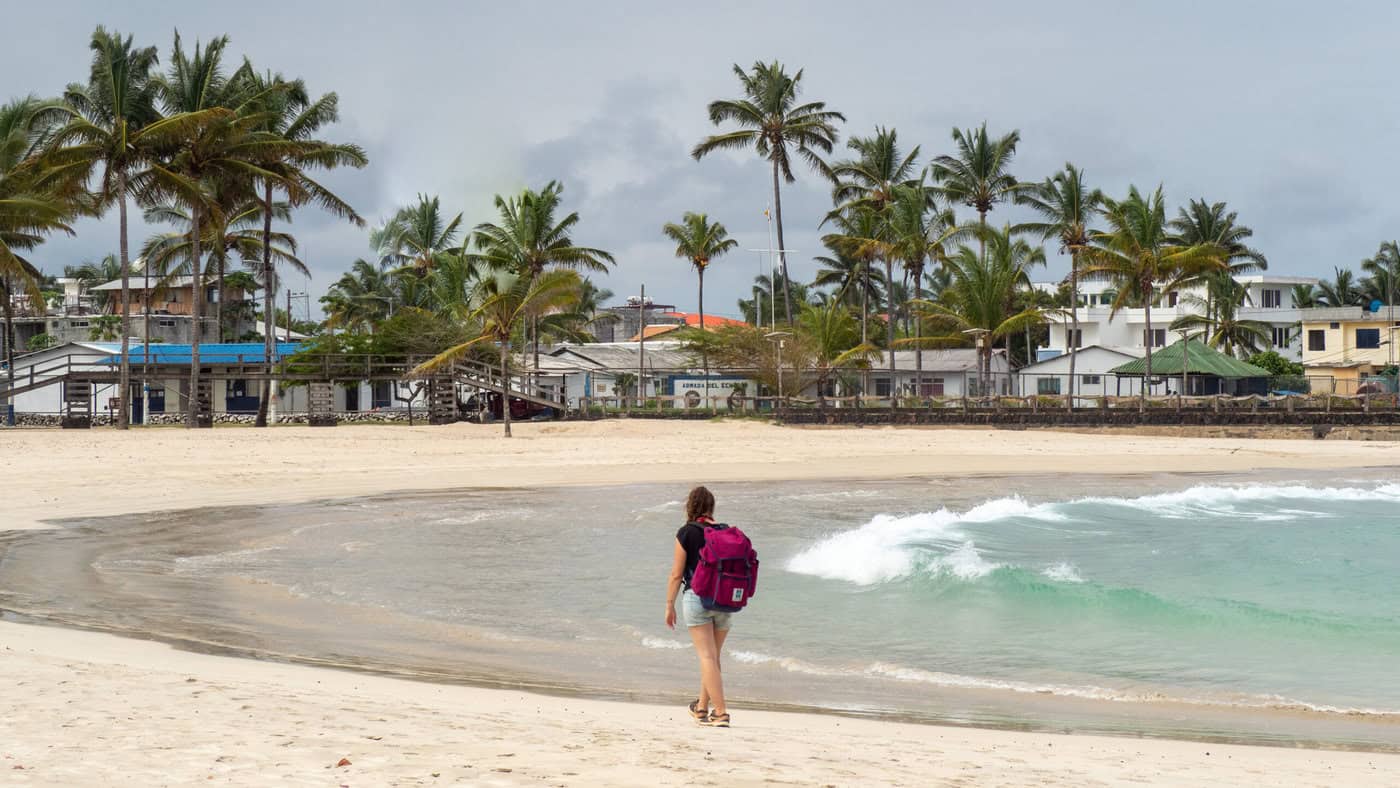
(1349, 344)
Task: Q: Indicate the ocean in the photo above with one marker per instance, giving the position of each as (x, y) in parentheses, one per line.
(1258, 608)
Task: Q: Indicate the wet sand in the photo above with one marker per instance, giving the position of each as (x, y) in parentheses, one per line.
(89, 708)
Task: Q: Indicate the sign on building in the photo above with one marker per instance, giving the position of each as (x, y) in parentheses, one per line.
(725, 393)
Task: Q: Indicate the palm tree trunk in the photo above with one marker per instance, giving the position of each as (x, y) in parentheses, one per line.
(219, 306)
(146, 342)
(704, 357)
(1147, 340)
(1073, 342)
(918, 331)
(269, 332)
(782, 255)
(9, 353)
(505, 385)
(889, 325)
(196, 312)
(124, 377)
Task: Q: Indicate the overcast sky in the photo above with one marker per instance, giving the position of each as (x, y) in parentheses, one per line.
(1285, 110)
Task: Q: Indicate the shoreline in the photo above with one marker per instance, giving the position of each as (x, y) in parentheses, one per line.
(116, 696)
(144, 472)
(463, 732)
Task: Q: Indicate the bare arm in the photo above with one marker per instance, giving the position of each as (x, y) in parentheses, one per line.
(673, 583)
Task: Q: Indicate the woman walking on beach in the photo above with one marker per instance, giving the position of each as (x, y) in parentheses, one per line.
(708, 628)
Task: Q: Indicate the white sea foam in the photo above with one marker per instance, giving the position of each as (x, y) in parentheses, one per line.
(1063, 573)
(894, 672)
(891, 547)
(662, 643)
(230, 558)
(786, 663)
(1194, 501)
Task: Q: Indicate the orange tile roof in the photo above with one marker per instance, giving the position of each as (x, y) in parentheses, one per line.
(711, 321)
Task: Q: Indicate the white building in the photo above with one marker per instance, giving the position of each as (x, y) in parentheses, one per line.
(1270, 301)
(1093, 366)
(936, 373)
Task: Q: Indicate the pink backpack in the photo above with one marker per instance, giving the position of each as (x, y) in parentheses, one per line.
(727, 574)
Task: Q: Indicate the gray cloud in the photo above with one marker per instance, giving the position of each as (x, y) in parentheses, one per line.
(1286, 115)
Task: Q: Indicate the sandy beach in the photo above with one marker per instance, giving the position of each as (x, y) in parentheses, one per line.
(93, 709)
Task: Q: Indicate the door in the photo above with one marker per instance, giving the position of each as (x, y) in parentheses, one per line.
(352, 398)
(137, 415)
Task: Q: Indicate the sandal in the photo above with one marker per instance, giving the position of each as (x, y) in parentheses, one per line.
(716, 721)
(701, 715)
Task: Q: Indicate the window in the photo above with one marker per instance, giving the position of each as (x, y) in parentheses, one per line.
(1282, 336)
(1368, 338)
(1334, 325)
(78, 324)
(1172, 298)
(1317, 339)
(882, 387)
(1091, 380)
(1159, 337)
(931, 387)
(1047, 386)
(1075, 337)
(1273, 299)
(238, 388)
(379, 394)
(166, 323)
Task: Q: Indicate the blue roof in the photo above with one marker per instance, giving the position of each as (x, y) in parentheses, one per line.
(209, 353)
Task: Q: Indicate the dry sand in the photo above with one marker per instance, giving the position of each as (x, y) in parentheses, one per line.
(90, 709)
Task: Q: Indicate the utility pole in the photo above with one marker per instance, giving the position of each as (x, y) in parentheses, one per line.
(641, 347)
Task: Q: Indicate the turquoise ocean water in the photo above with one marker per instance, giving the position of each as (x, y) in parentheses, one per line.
(1259, 608)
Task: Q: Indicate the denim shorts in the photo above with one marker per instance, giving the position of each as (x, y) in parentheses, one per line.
(694, 614)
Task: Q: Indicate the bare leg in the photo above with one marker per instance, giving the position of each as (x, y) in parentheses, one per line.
(720, 635)
(711, 687)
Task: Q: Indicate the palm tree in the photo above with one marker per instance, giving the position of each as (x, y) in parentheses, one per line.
(1225, 329)
(505, 301)
(30, 209)
(919, 233)
(360, 298)
(1305, 296)
(96, 272)
(529, 239)
(234, 230)
(1139, 252)
(1067, 207)
(977, 176)
(830, 333)
(851, 280)
(698, 241)
(775, 126)
(1209, 223)
(1341, 291)
(859, 238)
(216, 152)
(417, 236)
(872, 177)
(108, 129)
(1382, 270)
(982, 294)
(293, 116)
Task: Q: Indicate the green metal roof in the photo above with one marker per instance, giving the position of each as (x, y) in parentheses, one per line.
(1202, 359)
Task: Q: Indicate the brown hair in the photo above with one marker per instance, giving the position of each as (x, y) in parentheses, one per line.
(700, 503)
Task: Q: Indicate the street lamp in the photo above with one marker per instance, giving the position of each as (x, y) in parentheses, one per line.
(779, 339)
